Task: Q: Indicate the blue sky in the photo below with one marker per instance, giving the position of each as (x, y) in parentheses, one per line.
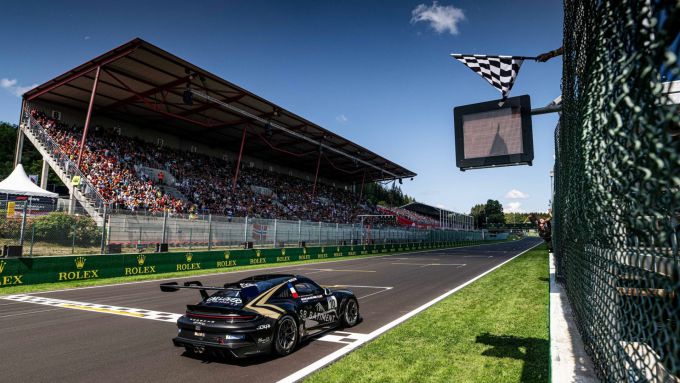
(369, 71)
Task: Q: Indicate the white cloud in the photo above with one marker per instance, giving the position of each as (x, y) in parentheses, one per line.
(87, 37)
(7, 83)
(341, 119)
(11, 85)
(440, 17)
(513, 207)
(516, 194)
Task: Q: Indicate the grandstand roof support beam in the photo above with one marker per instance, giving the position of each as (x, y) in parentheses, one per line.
(88, 68)
(363, 181)
(238, 162)
(316, 175)
(89, 114)
(152, 106)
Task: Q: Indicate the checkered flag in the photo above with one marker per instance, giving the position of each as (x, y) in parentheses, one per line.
(499, 71)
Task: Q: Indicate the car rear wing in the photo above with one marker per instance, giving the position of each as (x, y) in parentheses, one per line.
(194, 285)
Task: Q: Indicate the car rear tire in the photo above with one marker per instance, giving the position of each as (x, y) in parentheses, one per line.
(285, 336)
(350, 315)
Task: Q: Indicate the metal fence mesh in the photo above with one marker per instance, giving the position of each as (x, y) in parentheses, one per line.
(617, 185)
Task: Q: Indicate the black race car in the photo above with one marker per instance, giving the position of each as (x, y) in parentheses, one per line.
(261, 314)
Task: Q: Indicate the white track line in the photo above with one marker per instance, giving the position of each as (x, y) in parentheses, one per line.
(296, 376)
(255, 269)
(377, 292)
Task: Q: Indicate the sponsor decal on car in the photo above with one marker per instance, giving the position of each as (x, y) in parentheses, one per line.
(310, 297)
(234, 337)
(263, 326)
(264, 340)
(230, 301)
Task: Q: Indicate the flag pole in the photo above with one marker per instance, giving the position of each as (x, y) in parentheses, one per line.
(513, 57)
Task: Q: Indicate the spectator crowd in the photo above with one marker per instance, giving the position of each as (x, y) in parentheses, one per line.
(112, 164)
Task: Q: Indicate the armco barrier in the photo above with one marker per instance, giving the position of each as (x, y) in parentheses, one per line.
(33, 270)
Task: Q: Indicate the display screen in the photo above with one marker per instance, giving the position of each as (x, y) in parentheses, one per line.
(494, 133)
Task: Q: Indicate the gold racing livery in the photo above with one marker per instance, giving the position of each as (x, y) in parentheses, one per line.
(262, 314)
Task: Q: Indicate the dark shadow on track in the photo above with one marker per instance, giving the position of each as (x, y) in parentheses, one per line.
(211, 357)
(534, 352)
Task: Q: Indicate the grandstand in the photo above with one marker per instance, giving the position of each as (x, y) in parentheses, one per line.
(420, 215)
(139, 129)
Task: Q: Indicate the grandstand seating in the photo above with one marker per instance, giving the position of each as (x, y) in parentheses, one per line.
(112, 163)
(408, 218)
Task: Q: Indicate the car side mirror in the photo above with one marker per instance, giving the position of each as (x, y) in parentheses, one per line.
(327, 291)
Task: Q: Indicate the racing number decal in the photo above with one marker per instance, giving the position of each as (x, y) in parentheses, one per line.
(332, 303)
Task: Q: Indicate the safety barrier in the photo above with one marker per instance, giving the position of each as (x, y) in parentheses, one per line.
(34, 270)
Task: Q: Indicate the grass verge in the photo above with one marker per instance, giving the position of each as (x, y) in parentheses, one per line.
(494, 330)
(181, 274)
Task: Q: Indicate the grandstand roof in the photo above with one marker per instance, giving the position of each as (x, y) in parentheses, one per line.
(427, 210)
(144, 85)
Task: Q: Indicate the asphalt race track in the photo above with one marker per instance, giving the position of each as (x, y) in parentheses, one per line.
(123, 332)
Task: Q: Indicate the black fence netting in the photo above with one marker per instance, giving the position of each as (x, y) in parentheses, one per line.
(617, 185)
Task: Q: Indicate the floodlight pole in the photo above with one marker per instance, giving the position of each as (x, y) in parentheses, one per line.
(89, 114)
(238, 162)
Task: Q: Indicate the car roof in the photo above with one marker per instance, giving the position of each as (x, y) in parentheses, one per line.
(266, 277)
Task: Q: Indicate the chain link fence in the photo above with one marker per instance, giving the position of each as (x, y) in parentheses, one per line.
(43, 231)
(617, 185)
(139, 231)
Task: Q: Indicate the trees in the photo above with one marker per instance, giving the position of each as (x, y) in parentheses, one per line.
(378, 194)
(494, 212)
(479, 215)
(491, 212)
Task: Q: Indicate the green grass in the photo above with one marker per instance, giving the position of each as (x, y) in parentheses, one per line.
(494, 330)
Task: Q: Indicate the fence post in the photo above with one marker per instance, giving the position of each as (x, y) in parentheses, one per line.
(209, 232)
(275, 221)
(73, 242)
(23, 224)
(245, 230)
(102, 245)
(191, 230)
(299, 230)
(30, 252)
(165, 226)
(319, 233)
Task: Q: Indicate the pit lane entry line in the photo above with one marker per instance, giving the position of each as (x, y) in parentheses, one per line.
(326, 360)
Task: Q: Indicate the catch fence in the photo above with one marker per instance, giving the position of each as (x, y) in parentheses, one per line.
(617, 185)
(60, 233)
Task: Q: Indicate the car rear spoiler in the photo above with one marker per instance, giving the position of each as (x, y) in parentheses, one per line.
(194, 285)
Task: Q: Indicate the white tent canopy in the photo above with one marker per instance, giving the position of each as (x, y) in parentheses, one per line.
(19, 183)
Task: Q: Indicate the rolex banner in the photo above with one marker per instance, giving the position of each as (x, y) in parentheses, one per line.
(34, 270)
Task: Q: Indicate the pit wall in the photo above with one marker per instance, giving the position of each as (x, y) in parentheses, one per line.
(29, 271)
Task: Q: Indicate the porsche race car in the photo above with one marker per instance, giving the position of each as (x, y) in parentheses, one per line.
(261, 314)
